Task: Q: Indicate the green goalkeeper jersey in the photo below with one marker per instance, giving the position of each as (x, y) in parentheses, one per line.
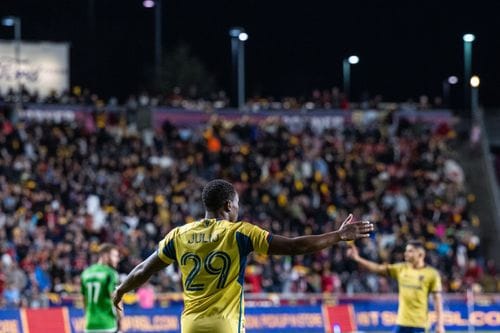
(98, 282)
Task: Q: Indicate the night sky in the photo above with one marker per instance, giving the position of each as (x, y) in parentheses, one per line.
(407, 48)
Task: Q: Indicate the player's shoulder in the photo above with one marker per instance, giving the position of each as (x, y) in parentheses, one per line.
(109, 269)
(432, 270)
(235, 225)
(98, 271)
(399, 265)
(242, 226)
(104, 269)
(225, 224)
(88, 269)
(182, 229)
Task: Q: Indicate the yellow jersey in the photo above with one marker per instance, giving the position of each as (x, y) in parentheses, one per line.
(415, 285)
(212, 257)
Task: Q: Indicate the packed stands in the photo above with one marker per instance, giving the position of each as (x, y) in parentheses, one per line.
(65, 188)
(324, 99)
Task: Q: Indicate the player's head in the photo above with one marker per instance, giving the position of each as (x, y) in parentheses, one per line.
(109, 255)
(220, 197)
(414, 252)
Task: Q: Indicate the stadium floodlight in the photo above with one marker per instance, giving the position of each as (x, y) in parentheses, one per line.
(158, 32)
(474, 81)
(148, 3)
(353, 60)
(452, 80)
(468, 38)
(13, 21)
(346, 66)
(235, 32)
(447, 83)
(9, 21)
(238, 38)
(243, 36)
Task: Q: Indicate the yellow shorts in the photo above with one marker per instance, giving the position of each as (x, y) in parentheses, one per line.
(211, 325)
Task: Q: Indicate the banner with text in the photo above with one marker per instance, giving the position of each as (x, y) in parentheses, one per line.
(355, 316)
(41, 67)
(375, 316)
(10, 321)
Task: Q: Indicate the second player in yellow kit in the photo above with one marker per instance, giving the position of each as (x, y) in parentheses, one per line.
(212, 256)
(415, 286)
(416, 281)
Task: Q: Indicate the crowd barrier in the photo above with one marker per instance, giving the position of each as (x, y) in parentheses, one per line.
(348, 314)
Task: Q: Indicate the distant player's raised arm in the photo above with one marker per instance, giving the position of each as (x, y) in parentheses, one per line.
(373, 267)
(309, 244)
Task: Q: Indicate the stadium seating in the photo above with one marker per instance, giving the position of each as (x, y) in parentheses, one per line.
(64, 189)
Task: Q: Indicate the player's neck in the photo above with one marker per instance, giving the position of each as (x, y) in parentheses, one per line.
(418, 265)
(216, 215)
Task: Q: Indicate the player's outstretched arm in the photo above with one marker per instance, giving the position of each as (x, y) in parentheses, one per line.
(307, 244)
(374, 267)
(138, 276)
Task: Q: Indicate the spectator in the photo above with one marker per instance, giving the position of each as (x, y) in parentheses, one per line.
(146, 296)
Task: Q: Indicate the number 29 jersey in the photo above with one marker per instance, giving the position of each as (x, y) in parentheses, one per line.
(212, 257)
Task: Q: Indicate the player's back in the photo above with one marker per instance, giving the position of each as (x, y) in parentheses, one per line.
(97, 283)
(212, 257)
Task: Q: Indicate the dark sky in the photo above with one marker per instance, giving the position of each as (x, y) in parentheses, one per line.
(406, 47)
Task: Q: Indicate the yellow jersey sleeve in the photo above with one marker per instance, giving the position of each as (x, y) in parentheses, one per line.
(394, 270)
(435, 283)
(166, 247)
(260, 238)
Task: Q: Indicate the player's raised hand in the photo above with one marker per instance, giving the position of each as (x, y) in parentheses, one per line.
(354, 230)
(347, 220)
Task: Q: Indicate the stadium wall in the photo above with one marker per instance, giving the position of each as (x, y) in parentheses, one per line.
(356, 314)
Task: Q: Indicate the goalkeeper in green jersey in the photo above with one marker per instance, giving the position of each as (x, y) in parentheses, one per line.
(97, 284)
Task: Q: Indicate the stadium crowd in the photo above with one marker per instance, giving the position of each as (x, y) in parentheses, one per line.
(325, 99)
(64, 190)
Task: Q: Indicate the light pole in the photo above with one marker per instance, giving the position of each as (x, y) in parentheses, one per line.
(450, 81)
(468, 39)
(346, 65)
(158, 30)
(238, 39)
(15, 21)
(474, 83)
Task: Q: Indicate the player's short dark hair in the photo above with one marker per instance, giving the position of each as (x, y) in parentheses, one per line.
(105, 248)
(216, 193)
(416, 244)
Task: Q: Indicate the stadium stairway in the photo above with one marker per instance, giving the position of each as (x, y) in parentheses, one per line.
(478, 165)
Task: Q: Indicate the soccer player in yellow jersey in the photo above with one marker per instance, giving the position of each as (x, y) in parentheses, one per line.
(212, 253)
(416, 281)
